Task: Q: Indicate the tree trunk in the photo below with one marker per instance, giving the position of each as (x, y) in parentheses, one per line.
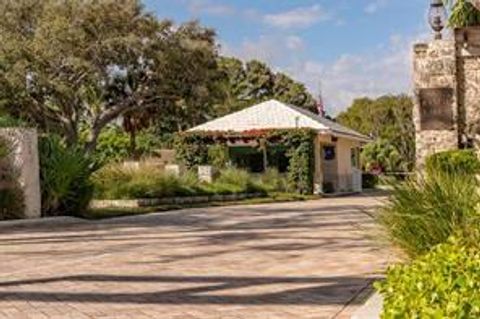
(133, 144)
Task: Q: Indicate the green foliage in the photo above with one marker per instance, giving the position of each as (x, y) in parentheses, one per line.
(445, 283)
(114, 145)
(424, 212)
(192, 150)
(119, 182)
(382, 154)
(273, 181)
(65, 177)
(454, 162)
(233, 180)
(300, 151)
(462, 14)
(9, 121)
(245, 84)
(218, 156)
(65, 63)
(387, 119)
(369, 181)
(11, 196)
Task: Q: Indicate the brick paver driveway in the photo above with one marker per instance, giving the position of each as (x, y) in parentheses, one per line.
(294, 260)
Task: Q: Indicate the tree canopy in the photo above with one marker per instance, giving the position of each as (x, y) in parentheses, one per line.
(74, 66)
(248, 83)
(72, 63)
(389, 121)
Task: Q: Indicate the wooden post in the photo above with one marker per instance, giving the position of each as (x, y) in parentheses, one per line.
(263, 146)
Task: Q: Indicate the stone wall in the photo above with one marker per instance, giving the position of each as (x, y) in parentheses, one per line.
(435, 67)
(452, 65)
(25, 160)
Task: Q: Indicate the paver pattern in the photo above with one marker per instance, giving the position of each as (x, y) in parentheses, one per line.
(294, 260)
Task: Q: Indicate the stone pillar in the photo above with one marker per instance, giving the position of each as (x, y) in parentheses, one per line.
(468, 68)
(25, 160)
(435, 104)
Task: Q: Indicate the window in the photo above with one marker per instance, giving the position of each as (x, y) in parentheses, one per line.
(329, 153)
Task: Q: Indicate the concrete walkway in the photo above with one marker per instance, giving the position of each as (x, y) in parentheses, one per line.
(296, 260)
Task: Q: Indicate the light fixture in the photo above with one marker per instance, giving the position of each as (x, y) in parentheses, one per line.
(437, 17)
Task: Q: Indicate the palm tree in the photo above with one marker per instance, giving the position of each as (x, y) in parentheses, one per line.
(464, 13)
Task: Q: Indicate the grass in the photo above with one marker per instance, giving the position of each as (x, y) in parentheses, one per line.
(105, 213)
(147, 181)
(425, 212)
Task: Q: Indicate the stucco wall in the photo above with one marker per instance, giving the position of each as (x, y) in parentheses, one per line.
(341, 169)
(25, 160)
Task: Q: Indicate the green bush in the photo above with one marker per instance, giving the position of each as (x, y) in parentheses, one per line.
(218, 156)
(147, 181)
(114, 145)
(454, 162)
(369, 181)
(119, 182)
(65, 178)
(193, 150)
(424, 212)
(234, 180)
(445, 283)
(273, 181)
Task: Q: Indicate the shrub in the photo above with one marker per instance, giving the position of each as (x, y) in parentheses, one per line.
(454, 162)
(65, 178)
(273, 181)
(369, 181)
(192, 150)
(445, 283)
(234, 180)
(114, 145)
(117, 181)
(218, 156)
(424, 212)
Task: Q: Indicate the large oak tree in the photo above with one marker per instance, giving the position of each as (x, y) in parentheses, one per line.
(84, 63)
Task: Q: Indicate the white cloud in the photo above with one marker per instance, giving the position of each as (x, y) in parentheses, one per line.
(294, 42)
(381, 71)
(375, 5)
(198, 7)
(301, 17)
(276, 50)
(385, 69)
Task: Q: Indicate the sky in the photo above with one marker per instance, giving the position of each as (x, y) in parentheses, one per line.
(343, 48)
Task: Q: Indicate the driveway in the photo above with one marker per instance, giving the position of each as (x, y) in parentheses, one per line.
(311, 259)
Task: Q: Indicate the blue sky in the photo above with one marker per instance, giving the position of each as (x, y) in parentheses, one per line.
(351, 48)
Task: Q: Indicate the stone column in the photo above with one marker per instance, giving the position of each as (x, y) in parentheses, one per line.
(25, 160)
(435, 104)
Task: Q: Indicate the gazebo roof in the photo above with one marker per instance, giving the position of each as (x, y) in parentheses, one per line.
(273, 114)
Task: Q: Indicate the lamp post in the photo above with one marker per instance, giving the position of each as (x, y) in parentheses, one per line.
(437, 17)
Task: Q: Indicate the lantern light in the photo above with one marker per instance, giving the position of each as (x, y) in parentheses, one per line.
(437, 17)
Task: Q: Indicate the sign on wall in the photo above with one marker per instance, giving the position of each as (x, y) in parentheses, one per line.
(436, 111)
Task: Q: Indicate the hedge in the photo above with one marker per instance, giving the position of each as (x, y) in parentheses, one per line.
(445, 283)
(454, 162)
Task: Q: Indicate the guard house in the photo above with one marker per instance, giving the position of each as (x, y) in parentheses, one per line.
(337, 148)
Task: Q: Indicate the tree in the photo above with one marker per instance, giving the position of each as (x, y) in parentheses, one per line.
(463, 13)
(389, 120)
(244, 84)
(67, 64)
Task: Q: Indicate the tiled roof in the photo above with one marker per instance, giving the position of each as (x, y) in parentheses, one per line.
(276, 115)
